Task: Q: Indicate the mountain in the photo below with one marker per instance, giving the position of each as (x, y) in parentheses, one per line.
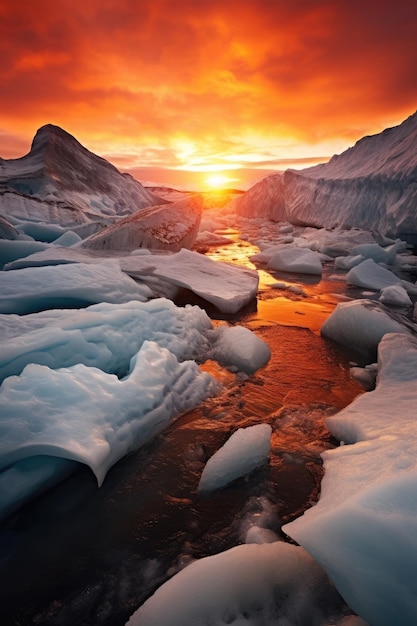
(372, 185)
(61, 182)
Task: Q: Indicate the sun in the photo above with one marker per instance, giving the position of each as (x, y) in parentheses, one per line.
(217, 181)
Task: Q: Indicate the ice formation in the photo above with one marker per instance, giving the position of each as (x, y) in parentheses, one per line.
(246, 450)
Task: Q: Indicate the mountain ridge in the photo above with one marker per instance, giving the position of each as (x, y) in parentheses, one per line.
(68, 180)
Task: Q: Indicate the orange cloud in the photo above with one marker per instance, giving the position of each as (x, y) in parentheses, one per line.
(238, 82)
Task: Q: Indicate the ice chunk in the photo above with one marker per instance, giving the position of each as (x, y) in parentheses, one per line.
(370, 275)
(105, 335)
(294, 259)
(377, 253)
(240, 347)
(67, 286)
(83, 414)
(246, 450)
(69, 238)
(249, 585)
(12, 249)
(227, 287)
(363, 530)
(169, 226)
(360, 325)
(395, 295)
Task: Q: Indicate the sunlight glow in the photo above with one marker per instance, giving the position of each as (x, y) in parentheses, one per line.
(217, 181)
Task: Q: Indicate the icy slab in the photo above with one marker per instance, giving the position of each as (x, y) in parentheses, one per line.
(361, 324)
(86, 415)
(108, 335)
(345, 263)
(166, 227)
(228, 287)
(240, 347)
(363, 530)
(10, 250)
(42, 231)
(294, 259)
(246, 450)
(370, 275)
(248, 585)
(104, 335)
(208, 238)
(68, 239)
(395, 295)
(377, 253)
(67, 286)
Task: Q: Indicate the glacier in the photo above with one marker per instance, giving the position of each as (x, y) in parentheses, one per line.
(372, 186)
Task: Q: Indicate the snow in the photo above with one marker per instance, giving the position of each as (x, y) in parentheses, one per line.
(363, 530)
(245, 450)
(248, 585)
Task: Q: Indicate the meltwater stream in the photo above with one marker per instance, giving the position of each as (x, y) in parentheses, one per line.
(86, 556)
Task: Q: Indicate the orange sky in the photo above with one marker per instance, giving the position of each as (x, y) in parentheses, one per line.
(206, 84)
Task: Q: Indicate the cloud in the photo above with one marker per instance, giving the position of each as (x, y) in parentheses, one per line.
(146, 77)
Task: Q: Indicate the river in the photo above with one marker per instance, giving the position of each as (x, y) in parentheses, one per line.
(87, 556)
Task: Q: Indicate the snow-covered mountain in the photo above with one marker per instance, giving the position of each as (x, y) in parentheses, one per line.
(372, 185)
(61, 182)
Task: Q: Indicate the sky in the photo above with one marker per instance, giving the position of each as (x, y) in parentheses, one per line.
(200, 92)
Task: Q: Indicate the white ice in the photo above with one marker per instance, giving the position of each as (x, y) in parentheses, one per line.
(228, 287)
(96, 346)
(84, 414)
(244, 451)
(293, 259)
(370, 275)
(248, 585)
(71, 285)
(395, 295)
(363, 530)
(108, 335)
(360, 325)
(240, 347)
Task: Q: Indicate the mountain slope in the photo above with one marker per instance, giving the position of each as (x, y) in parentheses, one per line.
(372, 185)
(60, 181)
